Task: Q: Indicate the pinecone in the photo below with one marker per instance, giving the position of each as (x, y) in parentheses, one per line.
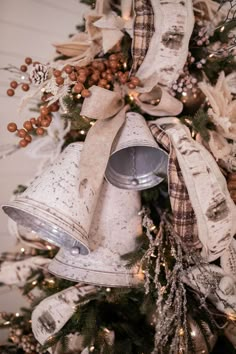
(231, 183)
(39, 74)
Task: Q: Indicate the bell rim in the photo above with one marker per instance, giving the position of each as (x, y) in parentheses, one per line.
(110, 278)
(146, 181)
(22, 206)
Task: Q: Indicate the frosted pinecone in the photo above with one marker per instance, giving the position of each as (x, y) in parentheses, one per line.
(39, 74)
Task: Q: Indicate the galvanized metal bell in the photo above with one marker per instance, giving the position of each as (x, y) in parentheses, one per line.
(115, 226)
(52, 206)
(136, 161)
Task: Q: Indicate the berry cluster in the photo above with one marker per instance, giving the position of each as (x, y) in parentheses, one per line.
(14, 84)
(100, 72)
(34, 125)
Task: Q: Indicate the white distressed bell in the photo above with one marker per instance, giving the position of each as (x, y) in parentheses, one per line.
(53, 207)
(115, 227)
(136, 162)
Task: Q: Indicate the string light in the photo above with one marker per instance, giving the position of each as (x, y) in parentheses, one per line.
(152, 228)
(34, 282)
(222, 29)
(193, 334)
(108, 290)
(17, 314)
(82, 132)
(91, 349)
(6, 323)
(231, 317)
(131, 97)
(22, 250)
(49, 247)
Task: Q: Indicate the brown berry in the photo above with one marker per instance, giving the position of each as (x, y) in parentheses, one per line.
(38, 121)
(131, 85)
(12, 127)
(33, 120)
(123, 79)
(28, 125)
(95, 64)
(25, 87)
(78, 87)
(44, 110)
(10, 92)
(28, 60)
(45, 123)
(113, 57)
(21, 133)
(82, 71)
(59, 80)
(23, 143)
(40, 131)
(109, 77)
(28, 138)
(135, 80)
(23, 68)
(14, 84)
(82, 78)
(73, 76)
(57, 73)
(85, 93)
(104, 75)
(113, 64)
(101, 66)
(54, 107)
(68, 69)
(95, 77)
(103, 82)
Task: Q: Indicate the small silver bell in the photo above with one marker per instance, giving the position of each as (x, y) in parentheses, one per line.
(136, 161)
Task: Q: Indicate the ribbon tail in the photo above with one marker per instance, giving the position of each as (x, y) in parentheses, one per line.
(96, 151)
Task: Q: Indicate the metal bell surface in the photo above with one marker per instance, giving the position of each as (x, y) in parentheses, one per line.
(52, 206)
(115, 226)
(136, 161)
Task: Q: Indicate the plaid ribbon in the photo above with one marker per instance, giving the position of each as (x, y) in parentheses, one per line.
(184, 218)
(143, 31)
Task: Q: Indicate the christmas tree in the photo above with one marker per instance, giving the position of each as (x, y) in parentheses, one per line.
(129, 224)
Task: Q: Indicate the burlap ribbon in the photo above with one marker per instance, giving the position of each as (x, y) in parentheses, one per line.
(109, 109)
